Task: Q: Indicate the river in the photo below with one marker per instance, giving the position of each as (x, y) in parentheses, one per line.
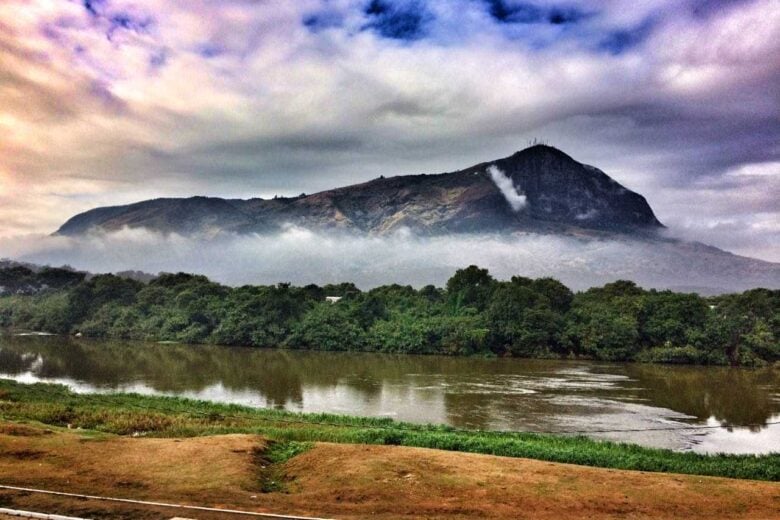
(702, 409)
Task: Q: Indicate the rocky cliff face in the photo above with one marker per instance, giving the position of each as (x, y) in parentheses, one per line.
(537, 189)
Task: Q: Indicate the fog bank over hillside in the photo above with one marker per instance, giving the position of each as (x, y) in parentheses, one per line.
(301, 256)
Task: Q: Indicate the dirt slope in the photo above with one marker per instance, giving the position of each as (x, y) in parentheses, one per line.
(349, 481)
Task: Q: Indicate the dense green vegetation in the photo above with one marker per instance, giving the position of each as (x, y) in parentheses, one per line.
(473, 314)
(170, 416)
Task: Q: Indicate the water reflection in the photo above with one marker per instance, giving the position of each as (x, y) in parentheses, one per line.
(732, 397)
(509, 394)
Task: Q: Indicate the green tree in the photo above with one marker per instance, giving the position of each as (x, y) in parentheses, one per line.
(558, 295)
(605, 333)
(328, 326)
(761, 340)
(538, 333)
(670, 318)
(504, 315)
(56, 277)
(470, 287)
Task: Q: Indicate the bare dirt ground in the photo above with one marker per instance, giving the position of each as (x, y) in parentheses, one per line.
(347, 481)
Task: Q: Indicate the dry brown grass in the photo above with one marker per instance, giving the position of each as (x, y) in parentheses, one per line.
(351, 481)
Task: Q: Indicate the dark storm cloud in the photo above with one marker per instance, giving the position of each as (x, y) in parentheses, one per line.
(706, 8)
(318, 143)
(323, 20)
(94, 7)
(527, 13)
(398, 20)
(691, 145)
(620, 40)
(127, 21)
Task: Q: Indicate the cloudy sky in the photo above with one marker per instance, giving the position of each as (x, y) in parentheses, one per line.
(113, 101)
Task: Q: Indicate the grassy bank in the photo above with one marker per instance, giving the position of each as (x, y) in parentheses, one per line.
(132, 414)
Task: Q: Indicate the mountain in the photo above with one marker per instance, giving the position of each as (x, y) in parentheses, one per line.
(551, 191)
(537, 212)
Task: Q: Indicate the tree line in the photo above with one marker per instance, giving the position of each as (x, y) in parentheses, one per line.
(475, 314)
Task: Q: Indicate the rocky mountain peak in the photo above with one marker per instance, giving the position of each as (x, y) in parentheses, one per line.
(560, 189)
(539, 188)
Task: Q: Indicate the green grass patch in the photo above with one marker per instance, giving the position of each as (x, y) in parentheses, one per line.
(135, 414)
(280, 452)
(271, 460)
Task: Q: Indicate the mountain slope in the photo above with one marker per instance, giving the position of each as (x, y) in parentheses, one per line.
(560, 193)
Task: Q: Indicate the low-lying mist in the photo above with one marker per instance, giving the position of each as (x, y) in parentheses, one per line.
(301, 256)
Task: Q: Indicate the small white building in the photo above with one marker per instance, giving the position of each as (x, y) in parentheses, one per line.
(332, 299)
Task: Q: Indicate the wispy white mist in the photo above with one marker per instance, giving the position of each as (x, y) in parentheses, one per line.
(507, 187)
(300, 256)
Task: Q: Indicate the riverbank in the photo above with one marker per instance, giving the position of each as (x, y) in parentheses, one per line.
(345, 481)
(147, 416)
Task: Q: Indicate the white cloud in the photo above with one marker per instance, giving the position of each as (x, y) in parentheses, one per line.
(768, 169)
(516, 200)
(301, 257)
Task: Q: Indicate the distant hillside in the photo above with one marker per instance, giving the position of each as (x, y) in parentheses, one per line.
(557, 194)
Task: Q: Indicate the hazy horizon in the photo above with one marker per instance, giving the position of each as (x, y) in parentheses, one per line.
(301, 256)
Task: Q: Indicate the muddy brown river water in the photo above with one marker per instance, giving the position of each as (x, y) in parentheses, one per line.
(704, 409)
